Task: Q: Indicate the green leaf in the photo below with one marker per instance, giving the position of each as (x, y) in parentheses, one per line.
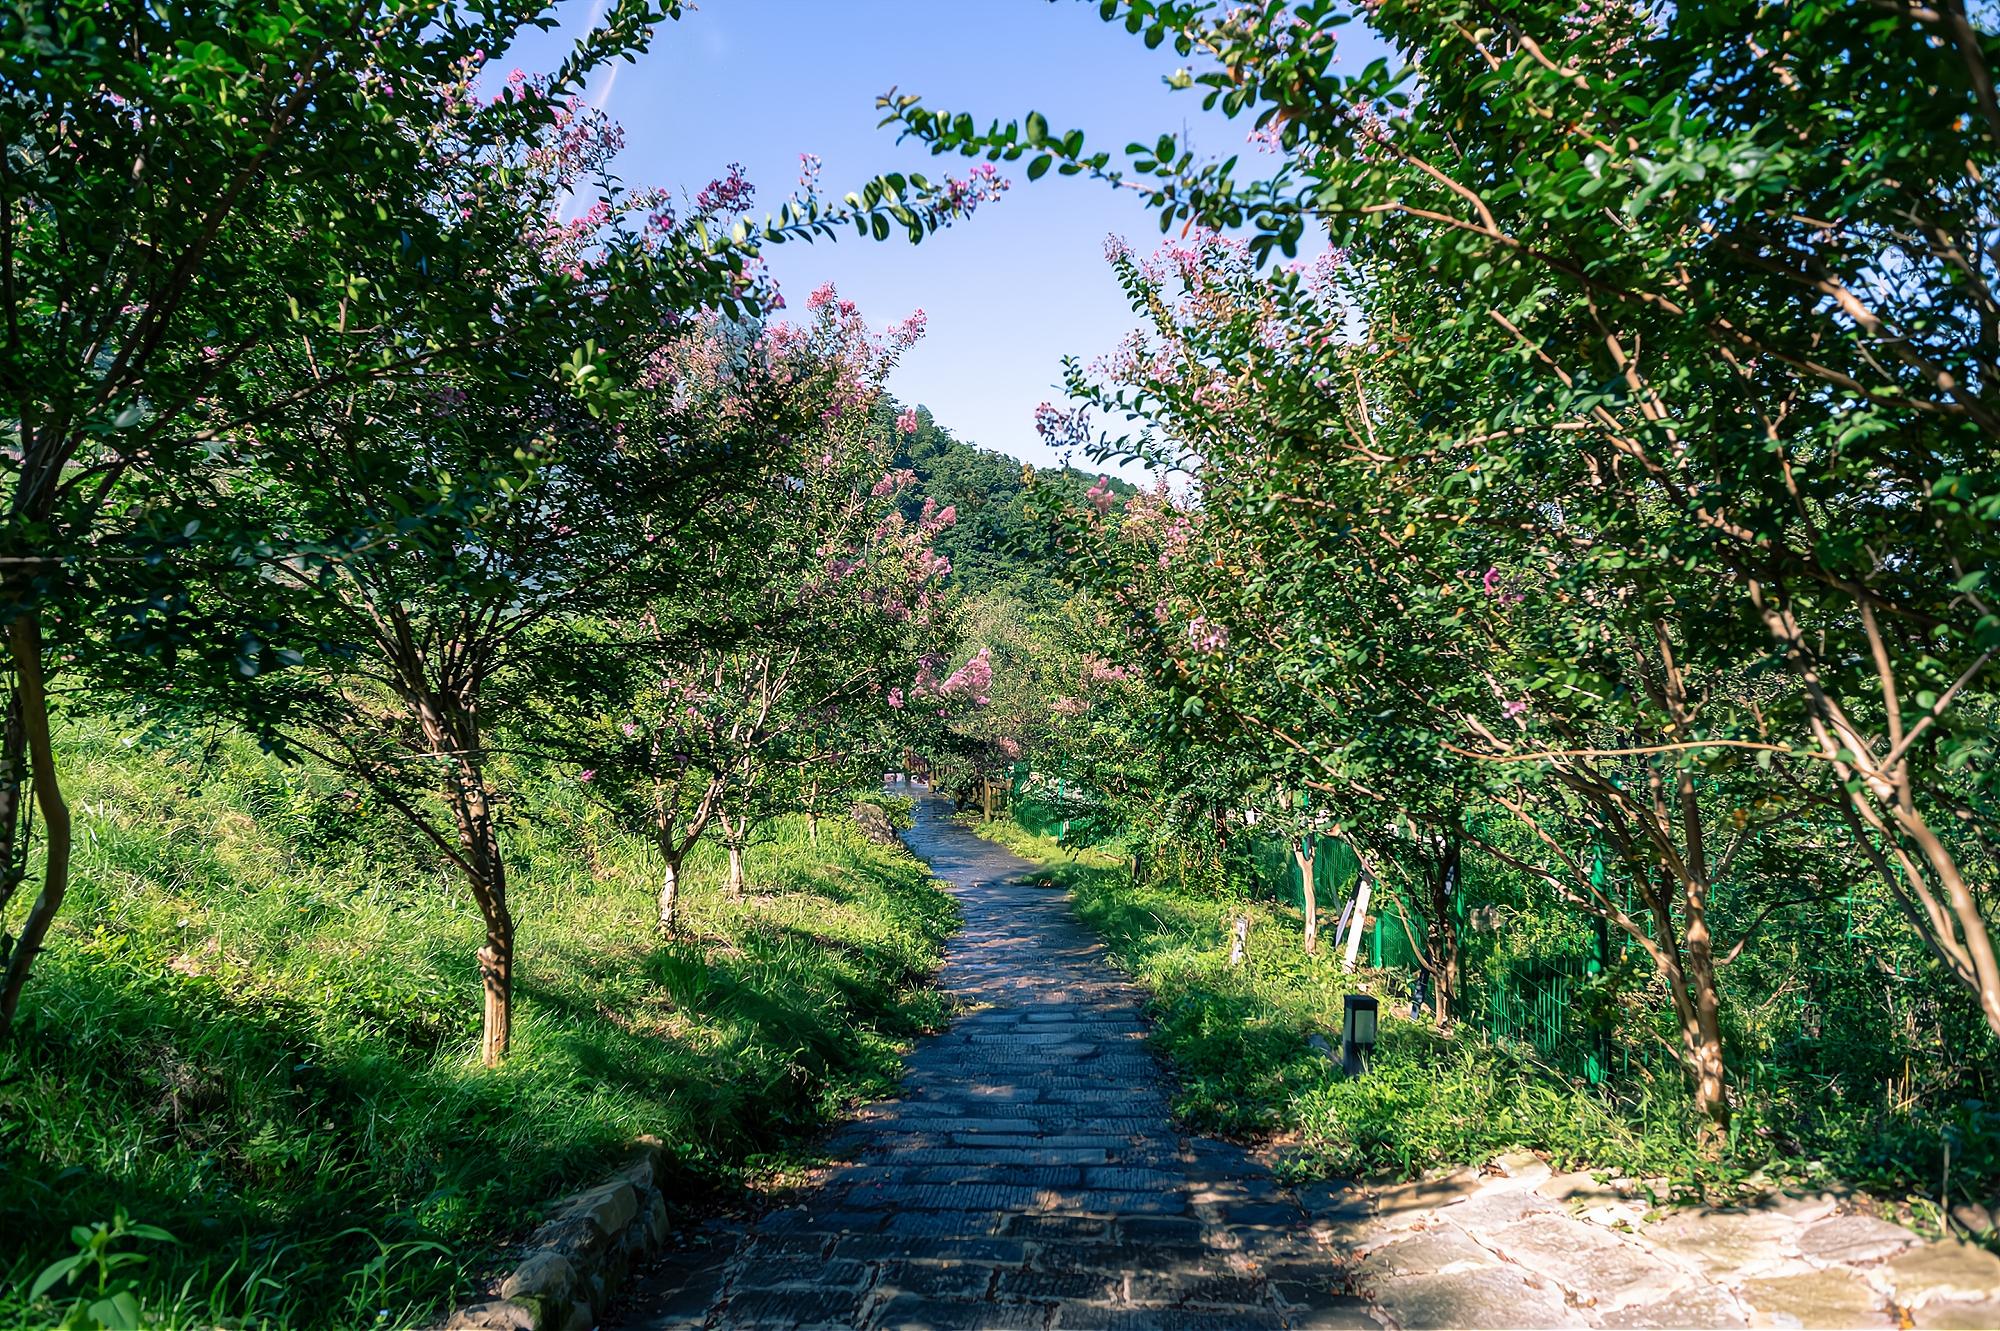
(53, 1273)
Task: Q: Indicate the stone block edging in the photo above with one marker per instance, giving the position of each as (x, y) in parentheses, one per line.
(577, 1260)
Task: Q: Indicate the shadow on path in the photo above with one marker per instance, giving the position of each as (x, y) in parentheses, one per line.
(1029, 1177)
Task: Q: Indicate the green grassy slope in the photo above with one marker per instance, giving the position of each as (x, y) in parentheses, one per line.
(257, 1029)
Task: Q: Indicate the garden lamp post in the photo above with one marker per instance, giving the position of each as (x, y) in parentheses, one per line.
(1357, 1034)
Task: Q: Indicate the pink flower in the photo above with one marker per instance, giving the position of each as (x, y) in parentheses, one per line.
(971, 678)
(892, 481)
(1099, 495)
(1516, 708)
(907, 422)
(1496, 588)
(728, 194)
(896, 699)
(908, 333)
(1206, 635)
(586, 774)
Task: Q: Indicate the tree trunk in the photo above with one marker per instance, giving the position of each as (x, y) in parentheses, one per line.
(1240, 936)
(1360, 919)
(1711, 1090)
(734, 832)
(986, 799)
(670, 896)
(496, 977)
(13, 838)
(1444, 931)
(1304, 854)
(451, 726)
(25, 641)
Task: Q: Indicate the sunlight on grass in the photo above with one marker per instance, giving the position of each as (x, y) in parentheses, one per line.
(1241, 1041)
(258, 1030)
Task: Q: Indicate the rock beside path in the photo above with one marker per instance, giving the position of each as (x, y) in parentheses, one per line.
(1523, 1247)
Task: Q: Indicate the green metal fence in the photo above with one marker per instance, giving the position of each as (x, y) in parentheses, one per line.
(1552, 1000)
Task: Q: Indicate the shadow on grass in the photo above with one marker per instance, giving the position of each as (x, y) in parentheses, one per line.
(283, 1145)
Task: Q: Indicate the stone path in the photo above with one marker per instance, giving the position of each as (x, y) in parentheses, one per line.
(1029, 1177)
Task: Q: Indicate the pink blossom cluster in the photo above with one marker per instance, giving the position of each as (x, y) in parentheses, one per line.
(983, 184)
(970, 680)
(1097, 670)
(1206, 635)
(928, 565)
(1494, 583)
(910, 331)
(893, 482)
(1100, 495)
(862, 361)
(731, 192)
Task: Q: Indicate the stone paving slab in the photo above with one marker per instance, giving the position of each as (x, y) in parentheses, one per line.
(1518, 1246)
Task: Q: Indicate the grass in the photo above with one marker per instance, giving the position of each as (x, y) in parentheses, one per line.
(1241, 1042)
(256, 1029)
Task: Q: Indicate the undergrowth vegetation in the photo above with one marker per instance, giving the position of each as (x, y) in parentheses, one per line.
(1242, 1042)
(251, 1032)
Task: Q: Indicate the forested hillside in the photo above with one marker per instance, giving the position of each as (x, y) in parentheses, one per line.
(1000, 541)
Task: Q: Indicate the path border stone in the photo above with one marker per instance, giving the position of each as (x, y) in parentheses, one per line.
(578, 1259)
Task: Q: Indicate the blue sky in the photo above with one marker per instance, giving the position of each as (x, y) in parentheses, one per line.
(1010, 291)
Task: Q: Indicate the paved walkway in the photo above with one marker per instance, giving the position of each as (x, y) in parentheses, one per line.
(1029, 1178)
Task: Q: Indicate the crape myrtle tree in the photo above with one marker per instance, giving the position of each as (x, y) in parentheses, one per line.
(423, 545)
(1034, 681)
(424, 551)
(182, 186)
(1719, 281)
(815, 598)
(870, 602)
(226, 226)
(1402, 667)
